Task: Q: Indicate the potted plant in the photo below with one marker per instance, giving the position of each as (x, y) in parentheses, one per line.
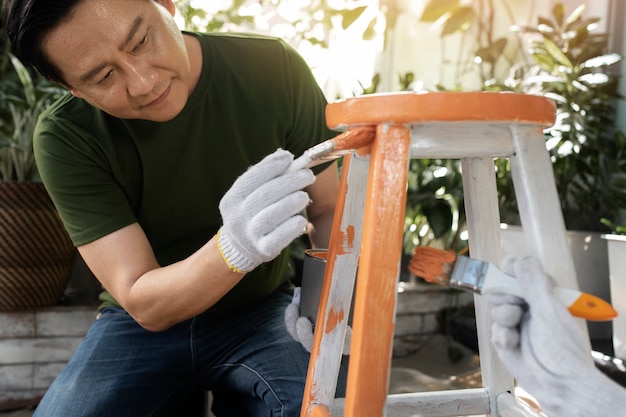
(572, 65)
(36, 253)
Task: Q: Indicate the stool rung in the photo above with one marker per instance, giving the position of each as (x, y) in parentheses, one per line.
(449, 403)
(511, 406)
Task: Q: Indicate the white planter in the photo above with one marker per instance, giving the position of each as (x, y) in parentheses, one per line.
(590, 255)
(617, 273)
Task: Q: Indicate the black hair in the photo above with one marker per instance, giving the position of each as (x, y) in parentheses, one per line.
(27, 22)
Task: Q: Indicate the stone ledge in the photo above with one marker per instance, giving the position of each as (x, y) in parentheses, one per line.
(34, 347)
(50, 322)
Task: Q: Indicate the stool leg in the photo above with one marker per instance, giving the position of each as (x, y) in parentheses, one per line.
(483, 226)
(540, 209)
(539, 206)
(337, 289)
(374, 309)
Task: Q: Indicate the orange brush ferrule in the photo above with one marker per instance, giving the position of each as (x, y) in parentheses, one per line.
(457, 271)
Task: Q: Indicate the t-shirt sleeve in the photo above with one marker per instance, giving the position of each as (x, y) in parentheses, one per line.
(80, 181)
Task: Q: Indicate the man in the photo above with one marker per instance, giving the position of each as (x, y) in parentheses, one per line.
(146, 160)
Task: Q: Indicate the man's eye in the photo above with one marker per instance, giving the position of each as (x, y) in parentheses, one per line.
(106, 77)
(141, 43)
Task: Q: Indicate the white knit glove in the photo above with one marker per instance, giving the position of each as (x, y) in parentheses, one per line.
(260, 212)
(543, 347)
(301, 328)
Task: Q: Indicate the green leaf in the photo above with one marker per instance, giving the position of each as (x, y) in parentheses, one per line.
(602, 61)
(581, 25)
(492, 52)
(545, 26)
(544, 61)
(576, 14)
(351, 15)
(369, 33)
(558, 11)
(556, 53)
(439, 215)
(594, 79)
(435, 9)
(25, 79)
(460, 20)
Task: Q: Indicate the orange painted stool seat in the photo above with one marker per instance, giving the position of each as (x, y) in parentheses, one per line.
(475, 127)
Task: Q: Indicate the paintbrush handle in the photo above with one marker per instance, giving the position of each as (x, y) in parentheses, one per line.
(578, 303)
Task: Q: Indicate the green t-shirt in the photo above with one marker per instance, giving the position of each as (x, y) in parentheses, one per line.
(255, 94)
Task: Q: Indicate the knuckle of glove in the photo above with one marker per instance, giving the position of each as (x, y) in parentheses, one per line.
(272, 166)
(508, 264)
(277, 189)
(505, 337)
(272, 243)
(271, 217)
(507, 315)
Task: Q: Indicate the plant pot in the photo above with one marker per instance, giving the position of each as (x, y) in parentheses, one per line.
(617, 274)
(589, 253)
(36, 253)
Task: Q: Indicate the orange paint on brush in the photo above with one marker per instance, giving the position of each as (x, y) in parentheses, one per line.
(432, 265)
(355, 138)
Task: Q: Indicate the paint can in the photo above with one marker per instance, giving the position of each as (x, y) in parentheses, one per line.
(313, 268)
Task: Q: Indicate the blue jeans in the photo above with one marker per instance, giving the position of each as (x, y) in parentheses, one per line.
(247, 359)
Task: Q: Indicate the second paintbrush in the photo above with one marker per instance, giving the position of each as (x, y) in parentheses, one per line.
(457, 271)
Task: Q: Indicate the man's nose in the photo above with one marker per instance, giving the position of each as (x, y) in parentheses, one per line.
(141, 78)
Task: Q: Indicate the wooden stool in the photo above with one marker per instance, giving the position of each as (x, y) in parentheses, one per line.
(368, 225)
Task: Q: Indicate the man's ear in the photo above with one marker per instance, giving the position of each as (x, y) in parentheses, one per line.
(169, 6)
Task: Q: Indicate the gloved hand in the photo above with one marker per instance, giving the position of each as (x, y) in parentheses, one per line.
(301, 328)
(543, 347)
(260, 212)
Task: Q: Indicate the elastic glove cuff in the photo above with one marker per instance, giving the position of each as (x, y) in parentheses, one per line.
(232, 254)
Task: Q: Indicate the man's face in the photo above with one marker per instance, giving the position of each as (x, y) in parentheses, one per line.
(126, 57)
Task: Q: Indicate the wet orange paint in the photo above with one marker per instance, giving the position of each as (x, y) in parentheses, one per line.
(320, 410)
(441, 106)
(346, 239)
(334, 318)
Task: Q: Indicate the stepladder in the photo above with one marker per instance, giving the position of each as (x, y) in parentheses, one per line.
(475, 127)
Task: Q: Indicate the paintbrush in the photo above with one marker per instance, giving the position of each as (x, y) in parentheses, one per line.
(333, 148)
(457, 271)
